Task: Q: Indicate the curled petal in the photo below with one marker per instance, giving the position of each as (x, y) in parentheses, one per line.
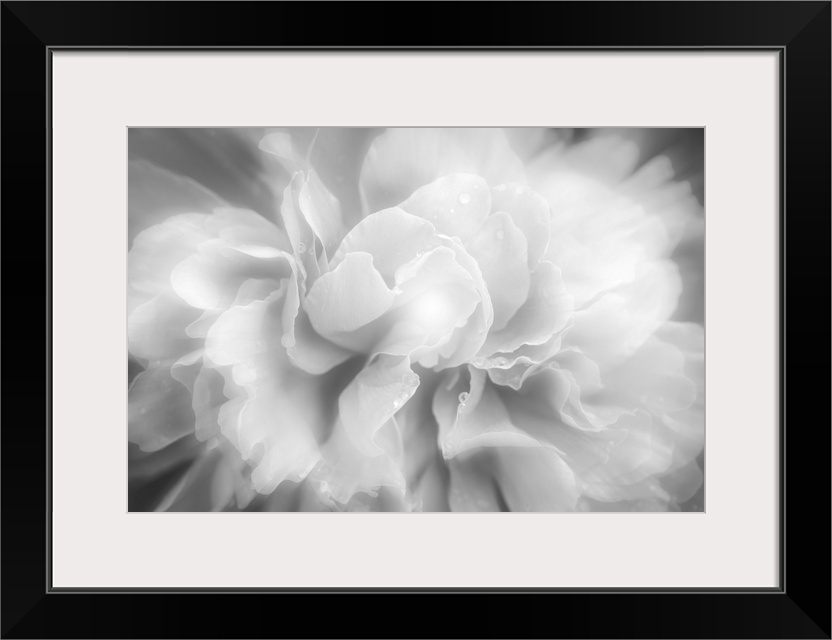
(274, 412)
(304, 246)
(400, 161)
(310, 351)
(242, 228)
(306, 348)
(211, 277)
(530, 212)
(373, 397)
(499, 247)
(546, 311)
(346, 473)
(392, 237)
(437, 295)
(158, 249)
(475, 418)
(457, 204)
(349, 297)
(468, 339)
(322, 211)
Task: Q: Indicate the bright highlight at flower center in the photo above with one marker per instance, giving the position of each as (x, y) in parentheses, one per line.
(434, 310)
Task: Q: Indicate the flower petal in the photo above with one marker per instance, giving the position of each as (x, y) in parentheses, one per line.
(513, 369)
(546, 311)
(322, 211)
(401, 160)
(535, 479)
(310, 351)
(349, 297)
(616, 462)
(159, 410)
(475, 418)
(455, 204)
(346, 472)
(499, 247)
(300, 234)
(156, 330)
(392, 237)
(530, 212)
(158, 249)
(618, 323)
(275, 412)
(307, 349)
(437, 295)
(244, 332)
(211, 277)
(372, 398)
(207, 399)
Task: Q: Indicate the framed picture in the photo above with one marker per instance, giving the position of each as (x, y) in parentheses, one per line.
(493, 307)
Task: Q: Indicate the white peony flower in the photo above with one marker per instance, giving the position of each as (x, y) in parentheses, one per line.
(483, 321)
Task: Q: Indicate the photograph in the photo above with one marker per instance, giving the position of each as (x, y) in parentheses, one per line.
(404, 319)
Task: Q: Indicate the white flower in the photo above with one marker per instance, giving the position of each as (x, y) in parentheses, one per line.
(491, 330)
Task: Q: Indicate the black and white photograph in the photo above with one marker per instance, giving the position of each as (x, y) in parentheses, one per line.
(416, 320)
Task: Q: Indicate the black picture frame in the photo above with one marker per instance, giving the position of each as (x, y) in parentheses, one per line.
(798, 608)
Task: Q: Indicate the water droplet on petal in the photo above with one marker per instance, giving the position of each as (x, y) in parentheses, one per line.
(301, 247)
(465, 198)
(463, 397)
